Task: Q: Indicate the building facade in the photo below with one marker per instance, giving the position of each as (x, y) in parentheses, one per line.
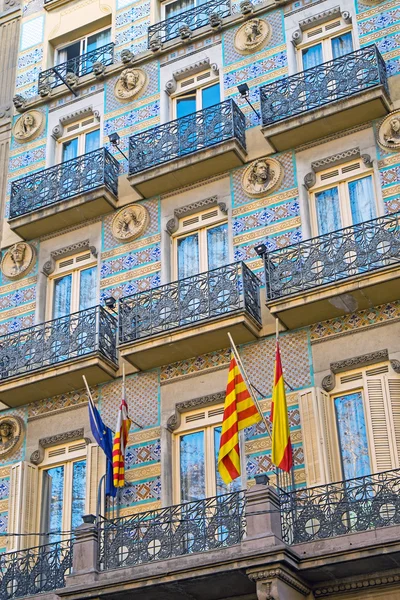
(150, 206)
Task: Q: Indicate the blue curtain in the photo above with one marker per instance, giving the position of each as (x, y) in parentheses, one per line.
(328, 210)
(70, 149)
(62, 297)
(210, 96)
(312, 56)
(217, 246)
(352, 435)
(362, 201)
(221, 487)
(88, 288)
(192, 467)
(185, 106)
(78, 493)
(188, 256)
(341, 45)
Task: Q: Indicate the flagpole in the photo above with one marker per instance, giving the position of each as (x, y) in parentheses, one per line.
(87, 388)
(248, 383)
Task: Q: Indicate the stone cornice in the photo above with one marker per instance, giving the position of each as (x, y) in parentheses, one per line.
(191, 209)
(54, 440)
(50, 265)
(268, 574)
(356, 362)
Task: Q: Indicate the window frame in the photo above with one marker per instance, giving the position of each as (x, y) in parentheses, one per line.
(201, 81)
(79, 132)
(83, 43)
(325, 39)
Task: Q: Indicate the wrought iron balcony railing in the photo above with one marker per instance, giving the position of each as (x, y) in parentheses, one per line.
(193, 18)
(334, 80)
(35, 570)
(202, 129)
(333, 256)
(45, 345)
(201, 297)
(188, 528)
(61, 182)
(75, 67)
(340, 508)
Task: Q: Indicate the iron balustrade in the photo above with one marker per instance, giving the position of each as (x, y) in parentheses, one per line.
(341, 508)
(197, 131)
(187, 528)
(35, 570)
(333, 256)
(76, 176)
(79, 66)
(333, 80)
(197, 298)
(45, 345)
(194, 18)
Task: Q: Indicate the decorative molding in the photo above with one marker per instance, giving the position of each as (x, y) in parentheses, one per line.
(12, 430)
(333, 161)
(54, 440)
(18, 261)
(266, 575)
(328, 382)
(360, 584)
(395, 364)
(76, 115)
(319, 19)
(175, 420)
(191, 209)
(356, 362)
(50, 265)
(6, 112)
(193, 69)
(252, 36)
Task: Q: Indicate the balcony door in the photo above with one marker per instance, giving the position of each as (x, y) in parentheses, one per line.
(79, 138)
(72, 52)
(180, 7)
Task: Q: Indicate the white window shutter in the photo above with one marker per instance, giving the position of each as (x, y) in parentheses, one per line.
(379, 418)
(329, 445)
(29, 512)
(312, 440)
(96, 468)
(15, 506)
(393, 391)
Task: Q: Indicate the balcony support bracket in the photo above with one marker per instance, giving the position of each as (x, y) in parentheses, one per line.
(58, 74)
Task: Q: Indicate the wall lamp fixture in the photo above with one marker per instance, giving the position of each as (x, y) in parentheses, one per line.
(244, 91)
(114, 141)
(110, 302)
(261, 249)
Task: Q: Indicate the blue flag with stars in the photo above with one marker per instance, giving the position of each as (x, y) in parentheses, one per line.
(104, 437)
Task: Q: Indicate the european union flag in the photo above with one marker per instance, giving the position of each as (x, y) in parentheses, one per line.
(104, 437)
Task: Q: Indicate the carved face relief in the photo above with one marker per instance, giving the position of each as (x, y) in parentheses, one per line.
(130, 222)
(11, 429)
(389, 132)
(28, 126)
(252, 36)
(262, 177)
(130, 83)
(18, 260)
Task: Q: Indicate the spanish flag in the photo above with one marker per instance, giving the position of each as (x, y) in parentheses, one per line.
(282, 455)
(119, 444)
(239, 412)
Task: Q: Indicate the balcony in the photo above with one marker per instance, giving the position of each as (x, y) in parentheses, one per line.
(64, 195)
(35, 570)
(69, 72)
(190, 317)
(191, 148)
(331, 97)
(50, 358)
(195, 18)
(343, 271)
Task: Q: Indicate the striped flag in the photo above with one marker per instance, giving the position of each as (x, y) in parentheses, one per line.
(282, 454)
(119, 445)
(239, 412)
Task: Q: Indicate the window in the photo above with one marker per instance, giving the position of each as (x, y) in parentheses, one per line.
(325, 42)
(342, 196)
(199, 91)
(62, 486)
(201, 243)
(82, 46)
(73, 285)
(196, 456)
(355, 430)
(79, 138)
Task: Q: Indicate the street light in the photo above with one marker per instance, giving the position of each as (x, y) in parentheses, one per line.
(244, 91)
(114, 141)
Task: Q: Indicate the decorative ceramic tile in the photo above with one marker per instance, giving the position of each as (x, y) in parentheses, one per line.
(59, 403)
(17, 323)
(30, 58)
(4, 488)
(192, 366)
(143, 491)
(144, 453)
(266, 216)
(32, 33)
(17, 298)
(134, 286)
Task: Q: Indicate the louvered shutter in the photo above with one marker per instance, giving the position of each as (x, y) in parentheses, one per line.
(96, 468)
(393, 394)
(15, 506)
(378, 415)
(326, 417)
(312, 439)
(29, 514)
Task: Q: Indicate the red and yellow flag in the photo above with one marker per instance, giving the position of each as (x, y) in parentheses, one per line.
(282, 455)
(239, 412)
(119, 444)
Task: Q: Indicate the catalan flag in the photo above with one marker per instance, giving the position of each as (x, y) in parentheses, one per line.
(239, 412)
(119, 445)
(282, 455)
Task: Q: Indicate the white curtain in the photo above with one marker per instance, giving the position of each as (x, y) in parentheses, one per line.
(341, 45)
(328, 210)
(188, 256)
(362, 202)
(217, 246)
(312, 56)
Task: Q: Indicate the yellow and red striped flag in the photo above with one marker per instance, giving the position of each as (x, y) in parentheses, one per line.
(282, 454)
(239, 412)
(119, 444)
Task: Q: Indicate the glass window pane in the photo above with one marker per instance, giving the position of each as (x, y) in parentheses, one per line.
(52, 503)
(210, 95)
(78, 493)
(192, 466)
(217, 246)
(69, 52)
(98, 40)
(362, 201)
(188, 256)
(312, 56)
(328, 210)
(88, 288)
(176, 8)
(221, 487)
(342, 44)
(70, 149)
(62, 296)
(92, 141)
(352, 435)
(185, 106)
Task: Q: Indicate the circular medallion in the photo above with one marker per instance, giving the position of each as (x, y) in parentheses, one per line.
(11, 434)
(130, 222)
(28, 126)
(262, 177)
(252, 36)
(18, 260)
(389, 131)
(130, 84)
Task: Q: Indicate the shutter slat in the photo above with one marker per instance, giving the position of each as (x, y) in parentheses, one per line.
(379, 423)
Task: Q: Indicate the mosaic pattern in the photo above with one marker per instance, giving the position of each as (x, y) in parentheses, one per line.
(261, 463)
(4, 488)
(192, 366)
(143, 454)
(59, 403)
(134, 286)
(266, 216)
(17, 323)
(130, 261)
(142, 491)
